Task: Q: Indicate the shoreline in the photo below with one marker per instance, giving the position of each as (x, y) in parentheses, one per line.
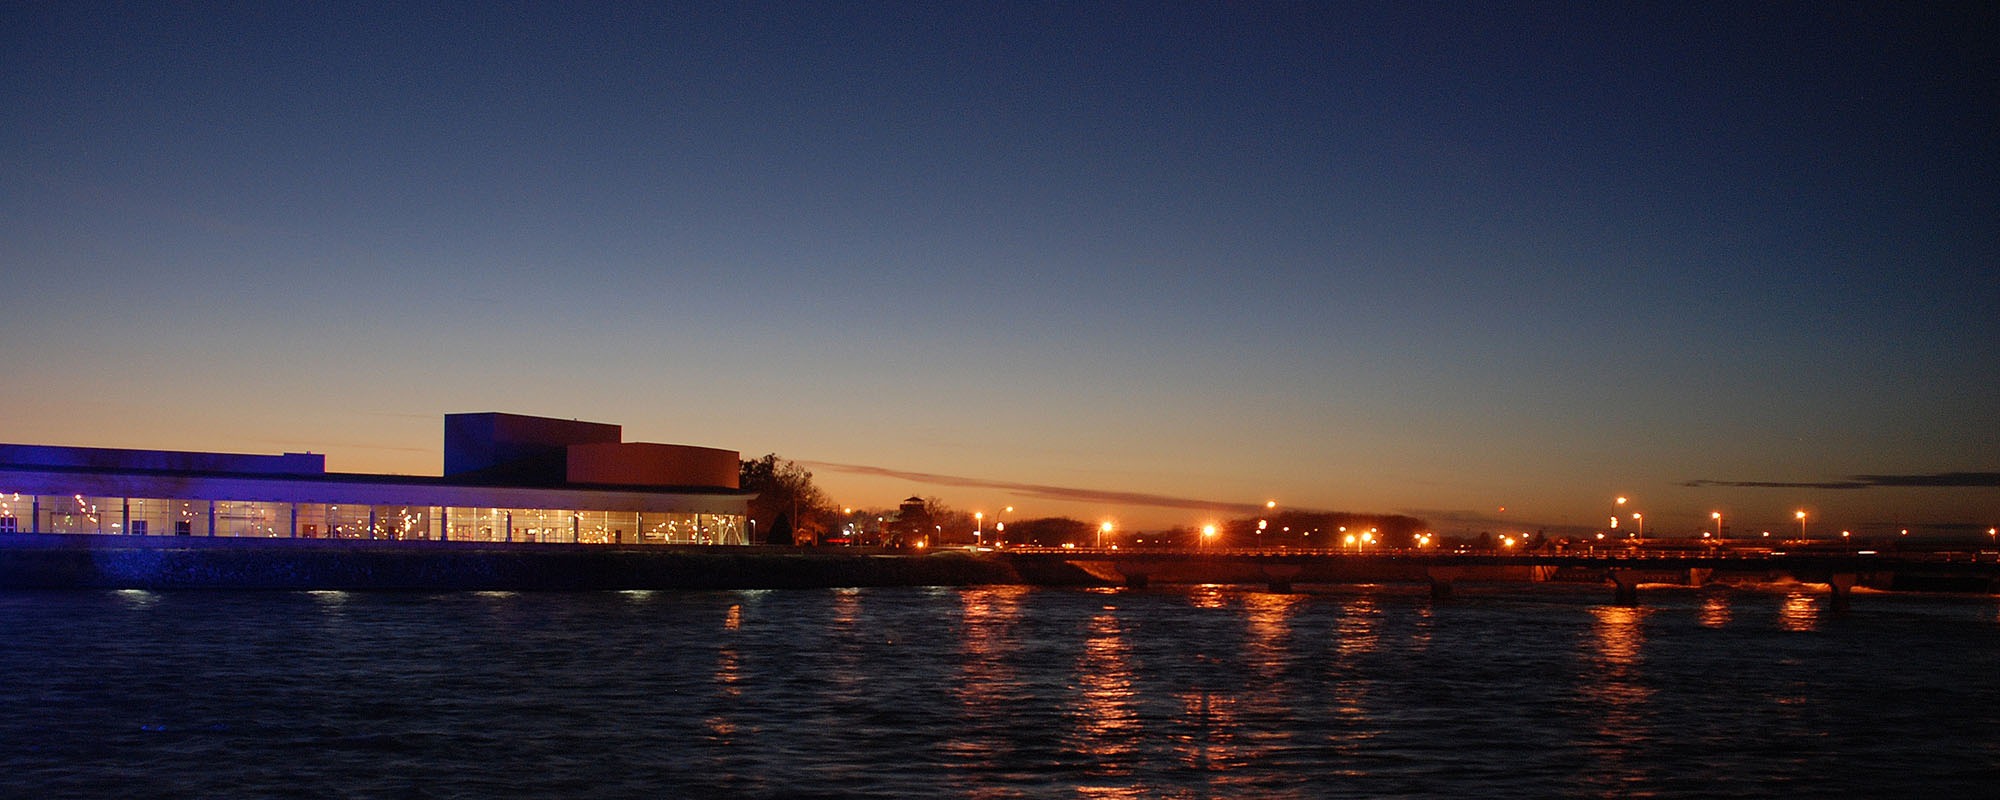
(94, 561)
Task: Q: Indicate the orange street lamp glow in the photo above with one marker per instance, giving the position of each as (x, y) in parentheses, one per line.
(1801, 514)
(1101, 530)
(1717, 516)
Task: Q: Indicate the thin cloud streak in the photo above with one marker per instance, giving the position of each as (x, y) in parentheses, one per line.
(1937, 480)
(1042, 492)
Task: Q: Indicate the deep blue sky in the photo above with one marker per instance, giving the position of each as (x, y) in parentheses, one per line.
(1429, 258)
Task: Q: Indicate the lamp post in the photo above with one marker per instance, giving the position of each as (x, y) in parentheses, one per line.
(1207, 533)
(1717, 516)
(978, 528)
(1641, 520)
(1102, 528)
(1801, 514)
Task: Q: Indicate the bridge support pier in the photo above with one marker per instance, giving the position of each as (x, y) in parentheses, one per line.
(1697, 576)
(1842, 586)
(1441, 580)
(1625, 591)
(1136, 580)
(1279, 578)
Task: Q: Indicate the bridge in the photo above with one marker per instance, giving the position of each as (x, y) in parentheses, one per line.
(1623, 569)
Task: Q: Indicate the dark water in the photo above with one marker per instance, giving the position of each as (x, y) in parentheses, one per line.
(998, 692)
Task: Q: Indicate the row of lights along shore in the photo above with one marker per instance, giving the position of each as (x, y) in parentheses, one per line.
(1639, 524)
(1360, 540)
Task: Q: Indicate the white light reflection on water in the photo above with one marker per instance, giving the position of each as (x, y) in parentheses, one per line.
(637, 595)
(138, 598)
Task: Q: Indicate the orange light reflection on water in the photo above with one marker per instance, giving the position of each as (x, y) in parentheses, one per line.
(1715, 611)
(1270, 627)
(728, 674)
(1614, 690)
(1800, 611)
(1107, 724)
(986, 684)
(1356, 634)
(1208, 595)
(1208, 732)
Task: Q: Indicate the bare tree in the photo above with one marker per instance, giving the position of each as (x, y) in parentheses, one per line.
(788, 508)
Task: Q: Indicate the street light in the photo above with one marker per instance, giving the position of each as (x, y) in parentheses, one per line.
(1207, 533)
(1641, 519)
(1801, 514)
(978, 528)
(1101, 530)
(1717, 516)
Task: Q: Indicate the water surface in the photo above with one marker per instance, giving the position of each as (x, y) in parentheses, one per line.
(1178, 692)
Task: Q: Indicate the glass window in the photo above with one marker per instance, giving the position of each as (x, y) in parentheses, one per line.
(402, 522)
(79, 514)
(13, 507)
(264, 520)
(543, 525)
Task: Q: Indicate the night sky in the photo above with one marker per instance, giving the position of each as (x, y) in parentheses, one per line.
(1157, 263)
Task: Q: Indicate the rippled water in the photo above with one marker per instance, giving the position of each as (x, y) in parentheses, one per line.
(1523, 691)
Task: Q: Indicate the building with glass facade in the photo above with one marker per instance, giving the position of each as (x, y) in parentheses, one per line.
(507, 478)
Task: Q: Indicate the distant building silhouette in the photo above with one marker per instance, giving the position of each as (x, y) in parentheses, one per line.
(913, 524)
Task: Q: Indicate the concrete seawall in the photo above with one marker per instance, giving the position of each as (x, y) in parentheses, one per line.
(70, 561)
(113, 562)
